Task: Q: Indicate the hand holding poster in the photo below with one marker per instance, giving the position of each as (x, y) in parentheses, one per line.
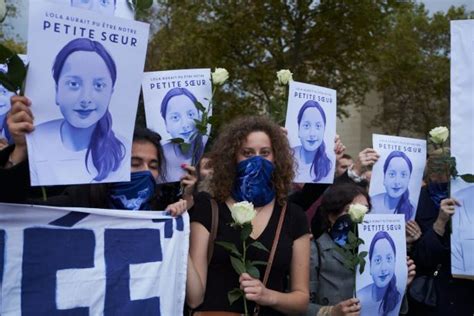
(396, 177)
(462, 146)
(78, 261)
(83, 81)
(311, 125)
(381, 287)
(171, 109)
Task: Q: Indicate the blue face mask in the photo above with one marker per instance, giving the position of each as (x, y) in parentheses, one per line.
(133, 195)
(438, 191)
(340, 230)
(253, 182)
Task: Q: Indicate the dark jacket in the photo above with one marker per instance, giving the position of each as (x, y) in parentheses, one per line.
(455, 296)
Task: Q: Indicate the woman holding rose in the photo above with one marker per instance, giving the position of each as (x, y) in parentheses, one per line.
(252, 162)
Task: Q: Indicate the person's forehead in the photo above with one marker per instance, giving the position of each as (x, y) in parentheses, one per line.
(180, 103)
(144, 149)
(257, 139)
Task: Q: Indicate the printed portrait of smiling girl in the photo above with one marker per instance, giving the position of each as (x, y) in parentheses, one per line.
(382, 296)
(82, 141)
(313, 162)
(179, 112)
(5, 107)
(397, 170)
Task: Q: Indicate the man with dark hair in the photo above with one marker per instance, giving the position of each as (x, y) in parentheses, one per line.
(343, 164)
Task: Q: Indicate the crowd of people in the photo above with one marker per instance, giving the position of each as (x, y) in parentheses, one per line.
(251, 160)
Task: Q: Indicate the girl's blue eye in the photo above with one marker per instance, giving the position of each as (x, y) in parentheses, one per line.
(73, 84)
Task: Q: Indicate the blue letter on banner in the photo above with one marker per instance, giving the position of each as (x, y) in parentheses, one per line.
(122, 248)
(45, 251)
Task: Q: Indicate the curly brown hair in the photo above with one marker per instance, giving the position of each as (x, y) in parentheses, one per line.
(226, 148)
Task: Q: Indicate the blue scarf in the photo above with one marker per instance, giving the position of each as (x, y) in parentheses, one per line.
(340, 230)
(133, 195)
(438, 191)
(253, 182)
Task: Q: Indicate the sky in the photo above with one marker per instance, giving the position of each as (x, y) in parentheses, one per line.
(20, 23)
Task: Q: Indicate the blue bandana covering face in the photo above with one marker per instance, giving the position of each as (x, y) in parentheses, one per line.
(340, 230)
(438, 191)
(254, 181)
(133, 195)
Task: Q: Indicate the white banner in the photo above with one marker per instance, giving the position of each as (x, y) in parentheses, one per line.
(462, 146)
(91, 261)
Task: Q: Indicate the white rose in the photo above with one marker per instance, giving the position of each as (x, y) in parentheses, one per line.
(439, 134)
(219, 76)
(284, 76)
(3, 10)
(243, 212)
(357, 212)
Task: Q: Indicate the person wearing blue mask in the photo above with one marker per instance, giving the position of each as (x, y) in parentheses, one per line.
(251, 161)
(141, 193)
(331, 282)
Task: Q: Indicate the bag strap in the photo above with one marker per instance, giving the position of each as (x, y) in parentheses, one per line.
(213, 232)
(272, 253)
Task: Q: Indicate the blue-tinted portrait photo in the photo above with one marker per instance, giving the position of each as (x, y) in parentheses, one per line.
(82, 141)
(313, 162)
(179, 111)
(397, 170)
(382, 296)
(5, 107)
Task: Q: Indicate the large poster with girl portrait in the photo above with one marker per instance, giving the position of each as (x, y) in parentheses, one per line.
(380, 288)
(83, 81)
(462, 146)
(118, 8)
(397, 176)
(173, 101)
(311, 125)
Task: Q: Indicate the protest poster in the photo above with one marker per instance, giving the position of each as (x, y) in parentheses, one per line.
(172, 101)
(397, 176)
(385, 273)
(462, 146)
(84, 82)
(118, 8)
(311, 125)
(80, 261)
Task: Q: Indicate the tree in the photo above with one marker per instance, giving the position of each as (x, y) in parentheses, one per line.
(412, 70)
(329, 44)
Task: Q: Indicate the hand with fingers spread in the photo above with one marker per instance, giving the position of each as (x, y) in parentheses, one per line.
(177, 208)
(412, 231)
(350, 307)
(447, 209)
(20, 122)
(411, 270)
(255, 290)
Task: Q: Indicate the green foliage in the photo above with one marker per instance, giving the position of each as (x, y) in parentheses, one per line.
(234, 295)
(246, 231)
(411, 69)
(328, 44)
(258, 245)
(238, 265)
(229, 247)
